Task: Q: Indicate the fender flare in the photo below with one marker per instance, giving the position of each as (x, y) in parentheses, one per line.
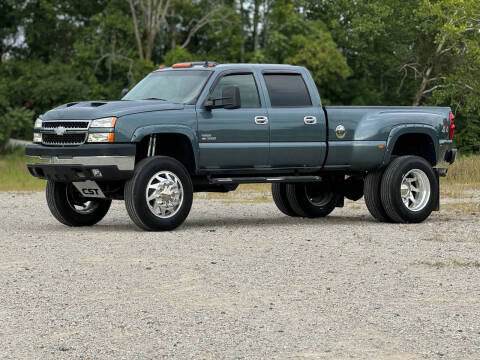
(400, 130)
(142, 132)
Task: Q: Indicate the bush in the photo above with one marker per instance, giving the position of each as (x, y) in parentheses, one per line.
(16, 123)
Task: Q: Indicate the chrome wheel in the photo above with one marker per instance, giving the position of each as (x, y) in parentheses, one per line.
(164, 194)
(415, 190)
(78, 203)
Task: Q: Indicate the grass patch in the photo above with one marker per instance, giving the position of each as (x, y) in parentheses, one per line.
(465, 170)
(244, 193)
(14, 175)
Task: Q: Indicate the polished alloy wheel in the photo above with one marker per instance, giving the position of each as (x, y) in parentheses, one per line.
(415, 189)
(164, 194)
(78, 203)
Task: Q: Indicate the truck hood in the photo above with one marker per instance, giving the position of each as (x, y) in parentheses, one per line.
(89, 110)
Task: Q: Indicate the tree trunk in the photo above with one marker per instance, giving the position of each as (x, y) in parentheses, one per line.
(256, 17)
(137, 31)
(242, 49)
(149, 45)
(423, 85)
(266, 9)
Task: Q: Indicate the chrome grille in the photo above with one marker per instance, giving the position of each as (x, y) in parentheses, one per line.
(64, 132)
(66, 124)
(67, 139)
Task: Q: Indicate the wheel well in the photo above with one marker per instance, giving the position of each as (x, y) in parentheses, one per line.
(177, 146)
(416, 144)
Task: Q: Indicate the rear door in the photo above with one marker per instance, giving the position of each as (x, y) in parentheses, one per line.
(234, 138)
(297, 121)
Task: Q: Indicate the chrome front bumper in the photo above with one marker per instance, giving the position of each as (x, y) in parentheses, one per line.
(121, 162)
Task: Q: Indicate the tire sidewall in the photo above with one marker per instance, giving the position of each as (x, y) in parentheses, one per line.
(280, 198)
(144, 175)
(403, 168)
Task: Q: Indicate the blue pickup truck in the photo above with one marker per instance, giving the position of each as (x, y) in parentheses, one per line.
(207, 127)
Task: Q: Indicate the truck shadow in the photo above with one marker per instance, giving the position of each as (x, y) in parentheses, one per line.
(279, 222)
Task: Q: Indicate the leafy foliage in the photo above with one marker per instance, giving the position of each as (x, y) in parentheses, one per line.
(16, 123)
(376, 52)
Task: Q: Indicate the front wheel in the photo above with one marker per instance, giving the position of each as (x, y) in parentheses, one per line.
(68, 206)
(159, 195)
(409, 189)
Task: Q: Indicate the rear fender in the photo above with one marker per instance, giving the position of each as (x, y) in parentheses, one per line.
(400, 130)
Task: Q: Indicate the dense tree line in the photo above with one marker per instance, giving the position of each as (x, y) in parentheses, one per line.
(360, 52)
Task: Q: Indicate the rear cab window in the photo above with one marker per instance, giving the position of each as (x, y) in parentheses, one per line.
(287, 90)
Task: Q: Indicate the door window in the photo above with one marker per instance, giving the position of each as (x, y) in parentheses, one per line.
(287, 90)
(248, 89)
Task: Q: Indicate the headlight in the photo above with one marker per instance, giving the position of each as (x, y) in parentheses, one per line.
(38, 123)
(37, 137)
(100, 137)
(108, 122)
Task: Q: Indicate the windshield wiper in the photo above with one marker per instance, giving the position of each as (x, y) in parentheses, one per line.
(154, 98)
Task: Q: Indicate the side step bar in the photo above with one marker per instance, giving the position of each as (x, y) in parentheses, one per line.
(264, 179)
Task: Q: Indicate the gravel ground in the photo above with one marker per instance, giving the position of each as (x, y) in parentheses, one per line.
(238, 281)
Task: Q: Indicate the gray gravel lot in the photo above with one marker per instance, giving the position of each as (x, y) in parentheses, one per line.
(238, 281)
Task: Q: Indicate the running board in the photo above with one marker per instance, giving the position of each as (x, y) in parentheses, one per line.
(266, 179)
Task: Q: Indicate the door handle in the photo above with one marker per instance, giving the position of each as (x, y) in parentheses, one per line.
(310, 120)
(261, 120)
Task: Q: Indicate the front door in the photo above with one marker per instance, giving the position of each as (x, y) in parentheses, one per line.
(234, 138)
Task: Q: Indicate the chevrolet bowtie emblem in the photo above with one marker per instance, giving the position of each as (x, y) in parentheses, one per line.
(60, 131)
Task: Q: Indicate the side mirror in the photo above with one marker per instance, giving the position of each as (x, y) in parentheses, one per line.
(124, 92)
(230, 99)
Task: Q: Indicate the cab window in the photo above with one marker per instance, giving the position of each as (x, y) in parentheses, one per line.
(249, 97)
(287, 90)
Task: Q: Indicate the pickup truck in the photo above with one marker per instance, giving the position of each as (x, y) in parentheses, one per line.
(207, 127)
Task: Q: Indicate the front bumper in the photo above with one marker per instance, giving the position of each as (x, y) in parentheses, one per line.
(101, 162)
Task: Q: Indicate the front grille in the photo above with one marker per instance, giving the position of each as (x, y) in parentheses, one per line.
(67, 139)
(64, 132)
(65, 124)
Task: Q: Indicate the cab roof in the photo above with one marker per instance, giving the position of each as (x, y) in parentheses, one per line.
(210, 65)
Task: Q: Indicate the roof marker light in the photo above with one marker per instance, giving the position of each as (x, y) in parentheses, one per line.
(182, 65)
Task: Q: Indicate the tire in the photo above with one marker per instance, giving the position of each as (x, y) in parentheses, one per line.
(300, 197)
(170, 203)
(68, 206)
(353, 188)
(279, 194)
(373, 198)
(409, 189)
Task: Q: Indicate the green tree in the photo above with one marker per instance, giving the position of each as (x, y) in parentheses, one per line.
(295, 39)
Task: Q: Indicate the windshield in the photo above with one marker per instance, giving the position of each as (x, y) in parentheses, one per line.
(177, 86)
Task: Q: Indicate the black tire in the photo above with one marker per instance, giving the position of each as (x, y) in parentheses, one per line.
(373, 198)
(299, 200)
(68, 206)
(136, 189)
(279, 194)
(391, 189)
